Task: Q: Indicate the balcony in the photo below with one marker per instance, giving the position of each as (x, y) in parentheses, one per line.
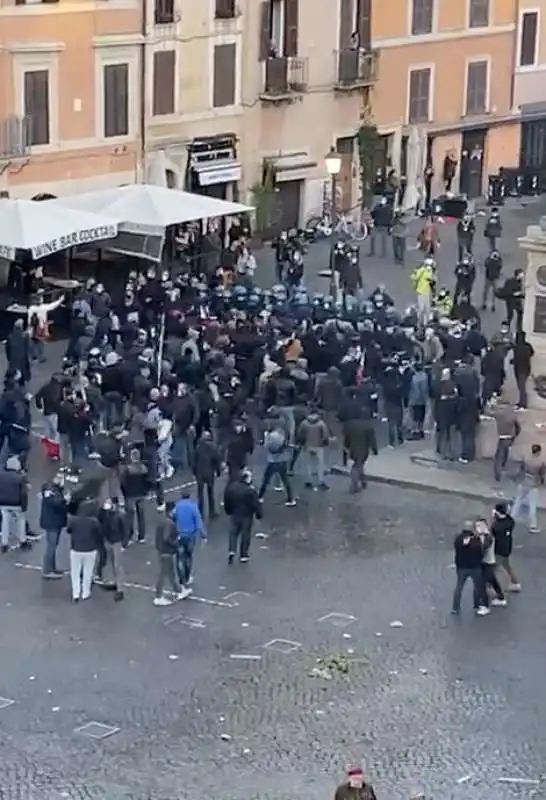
(285, 79)
(355, 69)
(14, 137)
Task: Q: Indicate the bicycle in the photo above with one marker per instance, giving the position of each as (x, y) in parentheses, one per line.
(355, 225)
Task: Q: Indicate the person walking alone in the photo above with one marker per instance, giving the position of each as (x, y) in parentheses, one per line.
(191, 530)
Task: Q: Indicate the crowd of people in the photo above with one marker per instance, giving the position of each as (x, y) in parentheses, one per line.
(197, 374)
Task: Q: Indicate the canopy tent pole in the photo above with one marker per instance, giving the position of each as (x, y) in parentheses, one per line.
(161, 346)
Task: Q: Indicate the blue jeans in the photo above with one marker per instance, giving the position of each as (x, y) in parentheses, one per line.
(49, 564)
(182, 451)
(526, 496)
(184, 560)
(78, 449)
(51, 424)
(476, 576)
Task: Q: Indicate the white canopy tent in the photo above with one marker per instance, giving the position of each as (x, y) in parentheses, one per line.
(148, 210)
(45, 228)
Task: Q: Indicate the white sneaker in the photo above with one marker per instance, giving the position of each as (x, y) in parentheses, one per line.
(483, 611)
(514, 587)
(496, 601)
(162, 601)
(191, 580)
(185, 593)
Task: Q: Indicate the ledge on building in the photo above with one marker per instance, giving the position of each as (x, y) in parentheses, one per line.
(285, 79)
(355, 69)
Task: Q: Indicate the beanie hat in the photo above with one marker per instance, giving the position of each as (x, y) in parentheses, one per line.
(501, 508)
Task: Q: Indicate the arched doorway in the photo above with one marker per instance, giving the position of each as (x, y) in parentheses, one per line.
(44, 196)
(170, 179)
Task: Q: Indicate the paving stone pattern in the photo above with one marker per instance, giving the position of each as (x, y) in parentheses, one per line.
(422, 705)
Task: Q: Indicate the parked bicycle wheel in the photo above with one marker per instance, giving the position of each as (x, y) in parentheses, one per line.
(358, 230)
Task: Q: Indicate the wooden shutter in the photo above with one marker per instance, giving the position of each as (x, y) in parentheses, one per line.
(265, 30)
(346, 23)
(116, 100)
(224, 78)
(529, 30)
(364, 23)
(36, 90)
(291, 14)
(164, 82)
(225, 9)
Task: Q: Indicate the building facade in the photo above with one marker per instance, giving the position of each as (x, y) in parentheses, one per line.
(69, 77)
(530, 84)
(448, 67)
(255, 85)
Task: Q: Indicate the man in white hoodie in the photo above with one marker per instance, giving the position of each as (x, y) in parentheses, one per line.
(488, 565)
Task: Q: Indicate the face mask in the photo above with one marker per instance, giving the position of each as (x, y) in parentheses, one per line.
(108, 506)
(238, 428)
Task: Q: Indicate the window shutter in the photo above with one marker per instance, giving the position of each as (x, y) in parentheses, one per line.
(529, 29)
(364, 23)
(265, 30)
(164, 82)
(346, 23)
(291, 14)
(36, 89)
(223, 90)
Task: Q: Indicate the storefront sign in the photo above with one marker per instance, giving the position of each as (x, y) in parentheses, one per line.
(218, 174)
(7, 252)
(85, 236)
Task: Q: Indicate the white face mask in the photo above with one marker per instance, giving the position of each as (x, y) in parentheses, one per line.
(107, 506)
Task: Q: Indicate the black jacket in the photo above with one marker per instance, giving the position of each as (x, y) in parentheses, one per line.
(53, 509)
(13, 490)
(134, 480)
(49, 396)
(85, 533)
(241, 500)
(468, 551)
(502, 530)
(112, 525)
(207, 462)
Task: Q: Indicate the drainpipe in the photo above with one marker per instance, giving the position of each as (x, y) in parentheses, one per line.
(143, 87)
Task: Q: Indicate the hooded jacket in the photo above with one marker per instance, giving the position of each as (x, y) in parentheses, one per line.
(313, 432)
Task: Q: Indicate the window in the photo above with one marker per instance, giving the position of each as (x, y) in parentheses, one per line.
(224, 77)
(528, 39)
(419, 96)
(36, 105)
(116, 100)
(225, 9)
(164, 12)
(476, 87)
(421, 18)
(279, 29)
(478, 14)
(164, 83)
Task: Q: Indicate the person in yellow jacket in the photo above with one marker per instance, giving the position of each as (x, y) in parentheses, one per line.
(443, 303)
(424, 279)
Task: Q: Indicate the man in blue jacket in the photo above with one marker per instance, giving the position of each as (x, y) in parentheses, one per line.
(53, 518)
(190, 529)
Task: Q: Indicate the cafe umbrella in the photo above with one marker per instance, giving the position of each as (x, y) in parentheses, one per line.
(46, 228)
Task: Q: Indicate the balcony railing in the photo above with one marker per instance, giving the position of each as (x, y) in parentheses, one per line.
(15, 136)
(355, 68)
(285, 77)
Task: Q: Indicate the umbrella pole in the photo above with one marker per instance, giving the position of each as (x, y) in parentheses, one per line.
(161, 346)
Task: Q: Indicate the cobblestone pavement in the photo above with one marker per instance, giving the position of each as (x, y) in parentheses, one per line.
(449, 706)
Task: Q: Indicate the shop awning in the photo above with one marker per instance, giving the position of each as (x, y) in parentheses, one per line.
(146, 209)
(215, 172)
(45, 228)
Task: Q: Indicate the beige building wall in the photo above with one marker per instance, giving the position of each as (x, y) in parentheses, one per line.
(295, 133)
(73, 40)
(447, 51)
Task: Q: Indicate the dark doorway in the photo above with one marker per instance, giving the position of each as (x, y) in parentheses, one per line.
(288, 202)
(472, 153)
(532, 155)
